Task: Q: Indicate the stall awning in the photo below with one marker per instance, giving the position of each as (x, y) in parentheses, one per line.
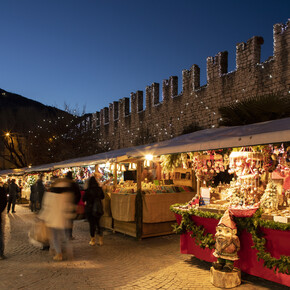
(40, 168)
(94, 159)
(254, 134)
(226, 137)
(15, 171)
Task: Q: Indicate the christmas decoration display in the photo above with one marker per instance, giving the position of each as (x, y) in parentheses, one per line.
(193, 203)
(236, 195)
(270, 159)
(173, 161)
(283, 157)
(207, 164)
(31, 179)
(269, 200)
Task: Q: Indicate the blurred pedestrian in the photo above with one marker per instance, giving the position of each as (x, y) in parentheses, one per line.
(40, 188)
(20, 186)
(13, 191)
(3, 203)
(77, 196)
(6, 185)
(93, 196)
(33, 197)
(57, 212)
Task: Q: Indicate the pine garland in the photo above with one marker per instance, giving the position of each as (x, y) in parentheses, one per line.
(251, 224)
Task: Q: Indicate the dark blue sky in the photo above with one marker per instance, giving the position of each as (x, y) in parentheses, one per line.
(91, 52)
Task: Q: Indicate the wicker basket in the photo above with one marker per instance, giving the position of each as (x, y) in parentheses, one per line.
(239, 212)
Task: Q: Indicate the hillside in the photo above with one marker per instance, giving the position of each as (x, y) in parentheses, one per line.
(19, 114)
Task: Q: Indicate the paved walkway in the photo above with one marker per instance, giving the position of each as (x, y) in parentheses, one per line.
(122, 263)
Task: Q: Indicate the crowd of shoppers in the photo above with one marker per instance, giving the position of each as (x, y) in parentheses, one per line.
(56, 209)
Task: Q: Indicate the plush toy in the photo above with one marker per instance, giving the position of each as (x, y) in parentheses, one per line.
(227, 244)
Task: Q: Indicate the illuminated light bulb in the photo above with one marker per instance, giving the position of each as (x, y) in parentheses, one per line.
(146, 163)
(149, 157)
(132, 166)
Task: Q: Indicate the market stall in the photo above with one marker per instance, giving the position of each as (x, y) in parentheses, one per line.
(140, 202)
(245, 170)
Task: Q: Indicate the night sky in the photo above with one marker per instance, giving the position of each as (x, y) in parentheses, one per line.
(89, 53)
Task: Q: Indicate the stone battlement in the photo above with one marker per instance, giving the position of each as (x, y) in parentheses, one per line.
(126, 122)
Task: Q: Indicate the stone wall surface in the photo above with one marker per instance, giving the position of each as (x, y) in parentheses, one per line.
(127, 123)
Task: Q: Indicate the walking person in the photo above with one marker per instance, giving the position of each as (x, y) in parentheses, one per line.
(77, 196)
(57, 211)
(13, 191)
(3, 203)
(40, 188)
(33, 197)
(94, 209)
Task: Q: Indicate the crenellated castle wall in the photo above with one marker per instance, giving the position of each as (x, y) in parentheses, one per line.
(126, 122)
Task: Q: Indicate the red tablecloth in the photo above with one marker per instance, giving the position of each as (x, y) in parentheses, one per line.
(277, 244)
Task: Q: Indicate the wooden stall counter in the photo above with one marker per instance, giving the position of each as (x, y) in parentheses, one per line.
(157, 217)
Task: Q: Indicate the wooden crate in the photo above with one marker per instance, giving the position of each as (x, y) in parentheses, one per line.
(128, 228)
(157, 229)
(148, 229)
(106, 222)
(267, 217)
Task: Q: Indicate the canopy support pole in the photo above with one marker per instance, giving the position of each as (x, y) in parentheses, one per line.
(139, 202)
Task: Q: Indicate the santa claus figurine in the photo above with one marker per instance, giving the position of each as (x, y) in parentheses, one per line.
(227, 243)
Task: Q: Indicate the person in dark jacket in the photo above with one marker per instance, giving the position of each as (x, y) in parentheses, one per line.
(33, 197)
(3, 203)
(92, 193)
(40, 188)
(13, 191)
(77, 196)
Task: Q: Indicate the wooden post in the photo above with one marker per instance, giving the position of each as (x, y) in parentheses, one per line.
(115, 176)
(193, 180)
(198, 188)
(139, 202)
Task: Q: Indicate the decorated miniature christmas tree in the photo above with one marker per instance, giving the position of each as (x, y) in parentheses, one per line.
(31, 180)
(236, 195)
(269, 199)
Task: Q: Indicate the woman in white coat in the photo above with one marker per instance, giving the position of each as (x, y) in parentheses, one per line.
(58, 209)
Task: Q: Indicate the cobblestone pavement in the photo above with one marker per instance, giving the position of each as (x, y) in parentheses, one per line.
(122, 263)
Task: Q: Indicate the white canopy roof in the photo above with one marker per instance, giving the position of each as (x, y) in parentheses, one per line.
(15, 171)
(225, 137)
(94, 159)
(216, 138)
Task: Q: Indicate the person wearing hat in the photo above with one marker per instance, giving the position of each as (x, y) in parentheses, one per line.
(227, 244)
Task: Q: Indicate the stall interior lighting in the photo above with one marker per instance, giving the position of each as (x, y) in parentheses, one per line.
(132, 166)
(149, 157)
(146, 163)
